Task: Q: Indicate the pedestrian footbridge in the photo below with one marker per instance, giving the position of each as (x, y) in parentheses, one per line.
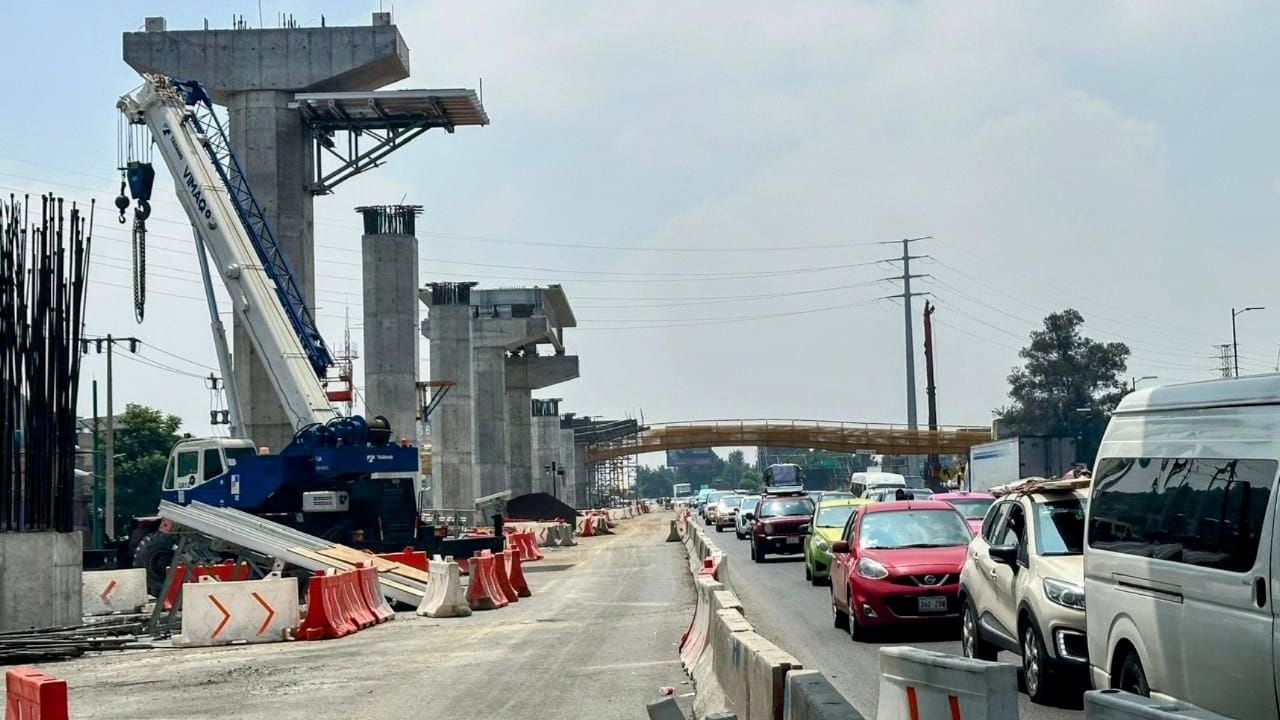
(836, 436)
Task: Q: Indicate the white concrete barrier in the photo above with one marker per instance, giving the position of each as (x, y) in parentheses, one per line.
(810, 696)
(752, 672)
(566, 536)
(104, 592)
(712, 695)
(695, 640)
(247, 611)
(1117, 705)
(445, 596)
(917, 684)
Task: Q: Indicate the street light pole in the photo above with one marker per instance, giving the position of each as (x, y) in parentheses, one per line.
(1133, 381)
(1235, 341)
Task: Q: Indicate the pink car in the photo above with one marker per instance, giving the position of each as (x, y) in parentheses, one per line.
(972, 505)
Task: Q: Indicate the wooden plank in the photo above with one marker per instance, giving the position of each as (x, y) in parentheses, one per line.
(404, 585)
(348, 555)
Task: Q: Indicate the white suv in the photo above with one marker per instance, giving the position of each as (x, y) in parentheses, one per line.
(1022, 586)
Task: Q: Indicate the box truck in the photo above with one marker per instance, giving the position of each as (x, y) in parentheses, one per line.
(1004, 461)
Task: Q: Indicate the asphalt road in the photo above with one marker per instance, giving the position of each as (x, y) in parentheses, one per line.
(785, 608)
(596, 640)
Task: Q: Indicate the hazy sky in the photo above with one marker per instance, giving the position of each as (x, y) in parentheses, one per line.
(709, 181)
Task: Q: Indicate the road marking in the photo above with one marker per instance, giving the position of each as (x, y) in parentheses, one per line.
(226, 616)
(270, 612)
(110, 587)
(623, 666)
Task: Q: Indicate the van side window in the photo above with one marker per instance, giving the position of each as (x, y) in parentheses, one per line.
(1197, 511)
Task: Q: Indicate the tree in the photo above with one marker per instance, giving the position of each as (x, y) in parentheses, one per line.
(143, 441)
(734, 467)
(1067, 385)
(655, 482)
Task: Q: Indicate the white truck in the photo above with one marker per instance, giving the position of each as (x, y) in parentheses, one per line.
(1004, 461)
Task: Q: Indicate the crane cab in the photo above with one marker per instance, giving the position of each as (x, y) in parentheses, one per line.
(197, 461)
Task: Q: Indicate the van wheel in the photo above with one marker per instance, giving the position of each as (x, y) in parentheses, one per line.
(971, 640)
(1132, 678)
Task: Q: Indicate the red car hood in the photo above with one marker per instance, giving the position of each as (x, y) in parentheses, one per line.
(915, 561)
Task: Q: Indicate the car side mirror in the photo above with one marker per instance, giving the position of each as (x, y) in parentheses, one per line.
(806, 529)
(1004, 554)
(840, 546)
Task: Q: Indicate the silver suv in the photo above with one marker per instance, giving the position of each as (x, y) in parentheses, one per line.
(1022, 586)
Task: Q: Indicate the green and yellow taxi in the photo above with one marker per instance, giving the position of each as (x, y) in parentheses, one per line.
(829, 518)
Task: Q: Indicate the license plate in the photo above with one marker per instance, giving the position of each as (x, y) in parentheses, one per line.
(932, 604)
(794, 540)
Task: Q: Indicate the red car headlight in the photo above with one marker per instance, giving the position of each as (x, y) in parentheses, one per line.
(870, 569)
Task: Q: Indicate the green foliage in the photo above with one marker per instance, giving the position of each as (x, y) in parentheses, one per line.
(143, 441)
(1067, 385)
(734, 468)
(735, 472)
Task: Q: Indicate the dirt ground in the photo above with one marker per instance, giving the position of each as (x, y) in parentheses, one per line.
(596, 640)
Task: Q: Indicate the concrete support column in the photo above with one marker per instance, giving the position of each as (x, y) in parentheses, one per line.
(490, 419)
(521, 471)
(452, 427)
(273, 149)
(390, 274)
(546, 449)
(564, 446)
(580, 474)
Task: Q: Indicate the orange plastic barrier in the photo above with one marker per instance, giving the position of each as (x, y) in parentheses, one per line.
(408, 556)
(515, 572)
(504, 582)
(483, 592)
(372, 594)
(225, 571)
(32, 695)
(351, 597)
(527, 544)
(336, 605)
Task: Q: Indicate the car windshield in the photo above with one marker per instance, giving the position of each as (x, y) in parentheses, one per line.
(972, 508)
(834, 516)
(913, 529)
(790, 506)
(731, 502)
(749, 503)
(1060, 526)
(714, 498)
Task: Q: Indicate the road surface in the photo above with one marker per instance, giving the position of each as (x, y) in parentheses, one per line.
(596, 640)
(785, 608)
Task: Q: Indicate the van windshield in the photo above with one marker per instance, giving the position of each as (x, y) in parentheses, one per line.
(1060, 527)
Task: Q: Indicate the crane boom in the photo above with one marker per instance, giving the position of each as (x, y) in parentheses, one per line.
(216, 197)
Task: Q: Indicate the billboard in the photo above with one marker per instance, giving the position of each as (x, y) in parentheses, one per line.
(702, 457)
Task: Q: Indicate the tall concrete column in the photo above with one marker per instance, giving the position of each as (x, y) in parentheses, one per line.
(390, 273)
(274, 152)
(521, 472)
(546, 447)
(581, 476)
(490, 419)
(524, 374)
(566, 453)
(452, 430)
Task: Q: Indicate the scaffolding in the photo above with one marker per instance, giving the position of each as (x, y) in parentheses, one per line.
(609, 480)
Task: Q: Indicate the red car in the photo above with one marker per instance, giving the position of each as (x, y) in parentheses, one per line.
(972, 505)
(780, 525)
(898, 563)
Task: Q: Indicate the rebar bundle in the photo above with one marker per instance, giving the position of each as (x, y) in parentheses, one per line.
(44, 263)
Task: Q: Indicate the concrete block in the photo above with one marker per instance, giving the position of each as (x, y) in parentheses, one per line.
(809, 695)
(1118, 705)
(982, 689)
(753, 672)
(40, 579)
(248, 611)
(706, 673)
(663, 709)
(113, 591)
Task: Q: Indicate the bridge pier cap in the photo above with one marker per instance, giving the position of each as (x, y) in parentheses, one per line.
(293, 59)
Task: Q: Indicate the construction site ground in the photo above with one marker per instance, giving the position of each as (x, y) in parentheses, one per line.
(597, 639)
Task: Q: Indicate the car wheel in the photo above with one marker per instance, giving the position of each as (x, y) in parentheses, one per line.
(1132, 678)
(757, 553)
(971, 642)
(839, 618)
(719, 529)
(857, 633)
(1036, 673)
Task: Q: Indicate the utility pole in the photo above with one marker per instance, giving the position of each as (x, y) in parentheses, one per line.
(931, 391)
(1235, 341)
(109, 501)
(908, 320)
(1224, 359)
(95, 521)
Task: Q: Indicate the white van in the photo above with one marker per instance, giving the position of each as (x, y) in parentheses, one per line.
(1182, 600)
(862, 482)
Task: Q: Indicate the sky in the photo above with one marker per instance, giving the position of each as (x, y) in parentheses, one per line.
(712, 183)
